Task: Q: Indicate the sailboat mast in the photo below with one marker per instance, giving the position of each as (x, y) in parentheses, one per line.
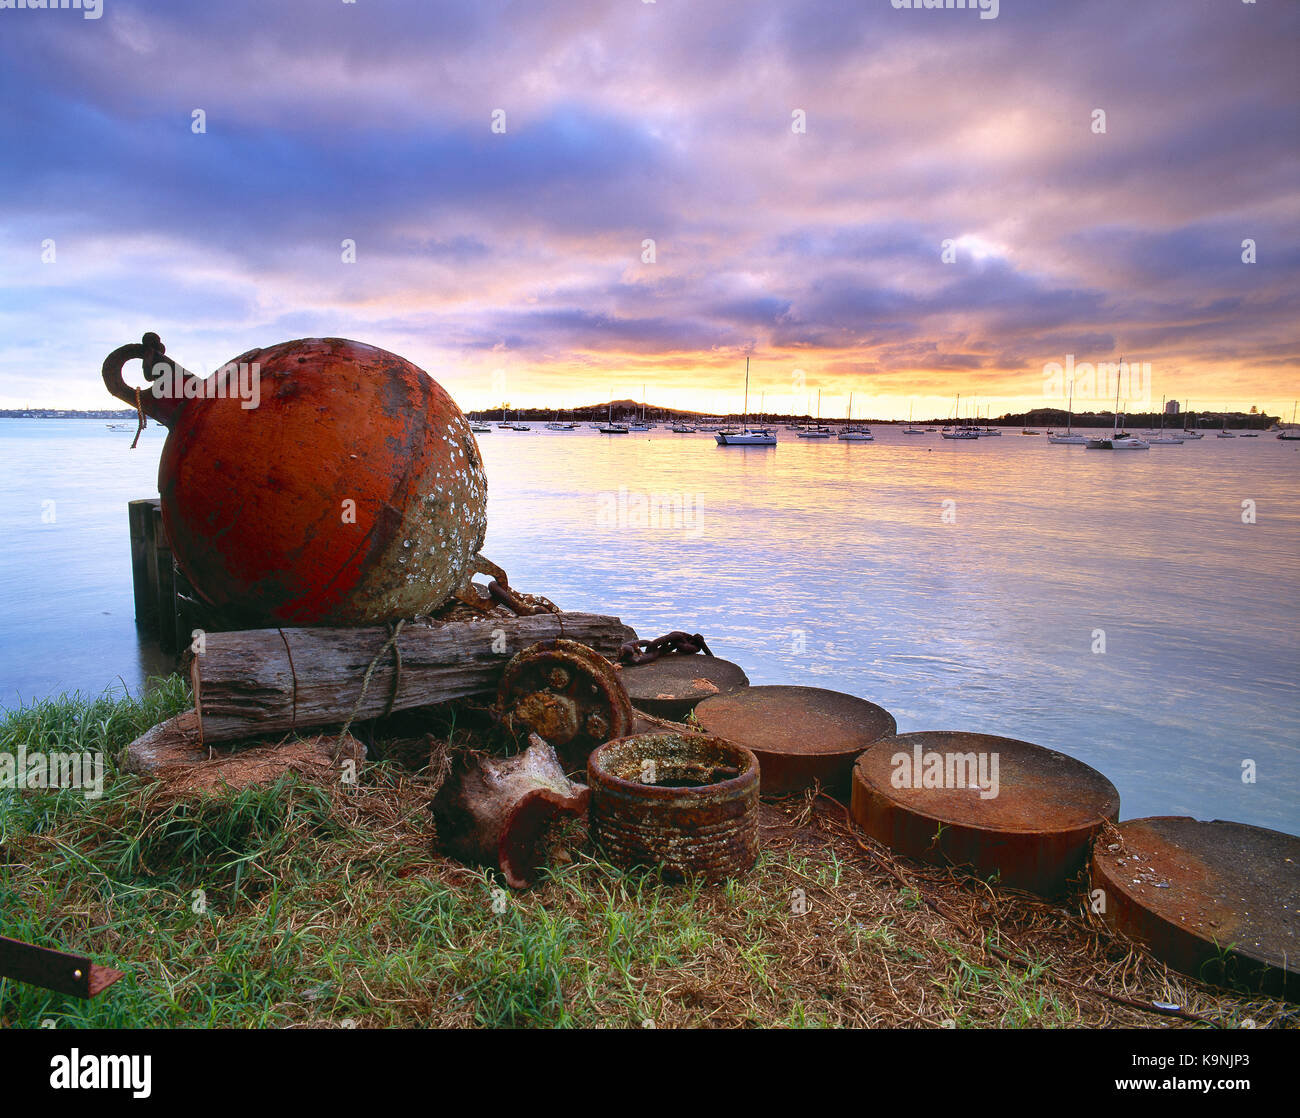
(744, 425)
(1118, 378)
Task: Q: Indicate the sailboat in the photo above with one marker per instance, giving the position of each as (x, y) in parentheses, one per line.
(1291, 433)
(1162, 439)
(610, 427)
(855, 434)
(557, 424)
(954, 431)
(820, 431)
(1119, 440)
(1223, 432)
(640, 424)
(909, 429)
(1069, 438)
(1190, 432)
(745, 436)
(478, 426)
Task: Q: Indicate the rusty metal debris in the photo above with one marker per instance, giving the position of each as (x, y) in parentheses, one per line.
(676, 642)
(566, 693)
(60, 971)
(1031, 821)
(1216, 900)
(318, 481)
(671, 686)
(686, 803)
(799, 734)
(497, 810)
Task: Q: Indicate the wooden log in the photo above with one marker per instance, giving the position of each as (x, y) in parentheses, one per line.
(496, 810)
(170, 744)
(259, 681)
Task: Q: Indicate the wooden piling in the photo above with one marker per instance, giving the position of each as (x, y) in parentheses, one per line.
(164, 584)
(139, 516)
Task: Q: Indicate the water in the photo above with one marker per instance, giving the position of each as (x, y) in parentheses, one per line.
(829, 564)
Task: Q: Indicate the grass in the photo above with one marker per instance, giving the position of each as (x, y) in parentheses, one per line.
(301, 906)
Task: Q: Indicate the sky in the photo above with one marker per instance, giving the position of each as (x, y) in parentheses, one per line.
(555, 203)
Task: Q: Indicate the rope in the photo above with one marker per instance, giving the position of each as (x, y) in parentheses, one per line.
(394, 630)
(293, 722)
(141, 420)
(196, 682)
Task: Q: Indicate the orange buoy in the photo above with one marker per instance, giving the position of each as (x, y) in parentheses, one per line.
(319, 481)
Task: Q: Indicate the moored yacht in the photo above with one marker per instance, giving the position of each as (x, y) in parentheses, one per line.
(1118, 440)
(1069, 438)
(746, 436)
(1163, 439)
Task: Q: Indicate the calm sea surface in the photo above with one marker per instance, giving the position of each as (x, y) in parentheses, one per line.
(828, 564)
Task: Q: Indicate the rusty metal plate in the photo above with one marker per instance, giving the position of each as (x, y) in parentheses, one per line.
(672, 686)
(1216, 900)
(1031, 823)
(685, 803)
(54, 970)
(799, 734)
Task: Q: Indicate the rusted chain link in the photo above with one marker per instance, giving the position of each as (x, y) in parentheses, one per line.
(674, 643)
(522, 605)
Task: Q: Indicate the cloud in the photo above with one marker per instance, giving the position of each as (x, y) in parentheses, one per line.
(668, 122)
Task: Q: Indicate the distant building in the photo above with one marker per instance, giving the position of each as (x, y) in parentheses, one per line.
(1171, 408)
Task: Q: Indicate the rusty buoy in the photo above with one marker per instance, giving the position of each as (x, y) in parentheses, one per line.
(996, 805)
(672, 686)
(686, 803)
(345, 488)
(799, 734)
(1219, 901)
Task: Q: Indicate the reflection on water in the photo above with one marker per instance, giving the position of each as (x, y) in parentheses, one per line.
(830, 564)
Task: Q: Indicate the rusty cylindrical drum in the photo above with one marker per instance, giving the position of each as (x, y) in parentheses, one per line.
(686, 803)
(331, 482)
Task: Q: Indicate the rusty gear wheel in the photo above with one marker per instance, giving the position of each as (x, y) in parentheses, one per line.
(566, 693)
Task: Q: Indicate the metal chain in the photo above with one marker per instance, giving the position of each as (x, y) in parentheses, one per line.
(674, 643)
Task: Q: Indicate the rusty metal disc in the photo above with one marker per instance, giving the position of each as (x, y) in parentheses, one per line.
(1218, 900)
(1031, 824)
(566, 693)
(672, 686)
(799, 734)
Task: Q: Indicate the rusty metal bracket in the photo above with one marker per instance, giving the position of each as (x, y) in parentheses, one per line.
(54, 970)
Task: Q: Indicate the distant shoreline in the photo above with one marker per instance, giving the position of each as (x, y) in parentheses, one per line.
(1039, 418)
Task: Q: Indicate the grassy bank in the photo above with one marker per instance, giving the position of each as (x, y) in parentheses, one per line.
(300, 906)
